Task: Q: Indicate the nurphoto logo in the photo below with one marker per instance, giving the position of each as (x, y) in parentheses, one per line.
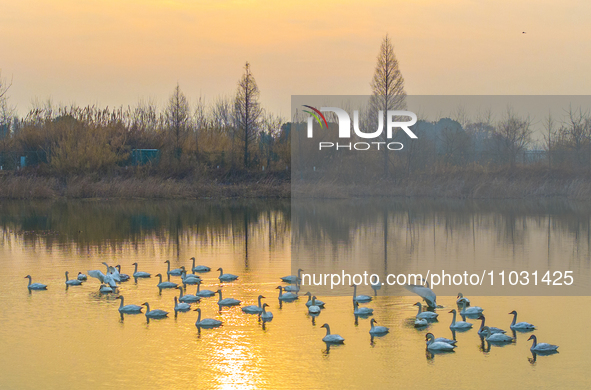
(393, 121)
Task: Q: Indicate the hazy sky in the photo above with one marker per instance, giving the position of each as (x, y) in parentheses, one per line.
(117, 52)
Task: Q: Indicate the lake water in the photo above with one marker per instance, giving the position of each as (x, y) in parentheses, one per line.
(74, 338)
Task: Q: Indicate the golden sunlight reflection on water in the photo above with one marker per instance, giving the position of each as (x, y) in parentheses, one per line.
(75, 338)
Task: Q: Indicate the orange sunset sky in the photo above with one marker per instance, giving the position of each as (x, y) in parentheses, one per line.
(118, 52)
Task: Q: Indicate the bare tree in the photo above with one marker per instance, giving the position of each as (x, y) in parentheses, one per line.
(387, 89)
(513, 134)
(247, 110)
(177, 116)
(549, 138)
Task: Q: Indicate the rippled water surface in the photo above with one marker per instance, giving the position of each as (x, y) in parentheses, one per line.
(74, 338)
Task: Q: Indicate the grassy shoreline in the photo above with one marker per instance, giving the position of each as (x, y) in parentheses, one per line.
(522, 184)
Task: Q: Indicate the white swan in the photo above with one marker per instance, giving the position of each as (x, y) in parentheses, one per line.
(181, 306)
(154, 313)
(266, 315)
(190, 278)
(173, 272)
(188, 297)
(292, 288)
(292, 279)
(331, 338)
(105, 289)
(226, 277)
(420, 322)
(440, 346)
(287, 296)
(424, 292)
(35, 286)
(206, 322)
(427, 315)
(199, 268)
(470, 310)
(520, 326)
(496, 337)
(166, 284)
(492, 329)
(82, 277)
(114, 272)
(361, 311)
(377, 330)
(72, 282)
(140, 274)
(461, 299)
(360, 298)
(123, 277)
(541, 347)
(459, 325)
(254, 309)
(314, 309)
(107, 279)
(227, 301)
(318, 302)
(444, 340)
(128, 309)
(204, 293)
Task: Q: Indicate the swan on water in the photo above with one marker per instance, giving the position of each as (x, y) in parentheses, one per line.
(106, 279)
(199, 268)
(154, 313)
(459, 325)
(166, 284)
(105, 289)
(541, 347)
(181, 306)
(204, 293)
(520, 326)
(314, 309)
(434, 345)
(226, 277)
(123, 277)
(309, 302)
(444, 340)
(495, 337)
(140, 274)
(424, 292)
(360, 298)
(35, 286)
(189, 278)
(72, 282)
(254, 309)
(331, 338)
(470, 310)
(491, 328)
(173, 272)
(420, 322)
(266, 315)
(361, 311)
(113, 271)
(206, 322)
(377, 330)
(427, 315)
(128, 309)
(188, 297)
(292, 288)
(292, 279)
(227, 301)
(286, 296)
(462, 299)
(82, 277)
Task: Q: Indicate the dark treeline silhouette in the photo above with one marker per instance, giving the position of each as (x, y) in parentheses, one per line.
(230, 134)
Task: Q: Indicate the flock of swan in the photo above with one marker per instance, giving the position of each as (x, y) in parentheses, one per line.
(113, 276)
